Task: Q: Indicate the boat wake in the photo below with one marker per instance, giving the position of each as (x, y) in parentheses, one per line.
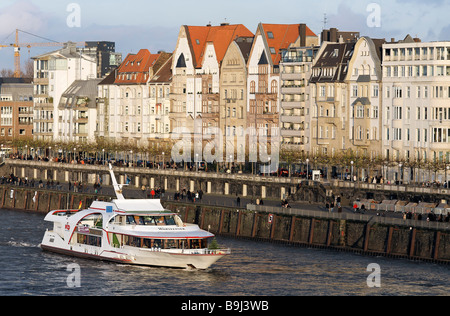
(20, 244)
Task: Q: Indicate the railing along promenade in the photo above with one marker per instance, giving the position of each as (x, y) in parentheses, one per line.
(292, 181)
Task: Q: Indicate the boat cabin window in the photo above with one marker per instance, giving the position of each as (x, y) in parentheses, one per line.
(160, 220)
(118, 240)
(93, 220)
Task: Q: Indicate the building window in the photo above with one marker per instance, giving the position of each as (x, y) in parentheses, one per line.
(252, 87)
(375, 91)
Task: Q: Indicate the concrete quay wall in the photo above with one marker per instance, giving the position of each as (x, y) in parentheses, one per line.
(318, 230)
(343, 232)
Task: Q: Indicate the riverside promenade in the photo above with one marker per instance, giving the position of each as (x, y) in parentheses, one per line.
(247, 186)
(304, 223)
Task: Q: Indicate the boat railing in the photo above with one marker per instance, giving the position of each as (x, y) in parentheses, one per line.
(221, 251)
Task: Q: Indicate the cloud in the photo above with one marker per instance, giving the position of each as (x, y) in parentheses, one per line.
(346, 19)
(23, 15)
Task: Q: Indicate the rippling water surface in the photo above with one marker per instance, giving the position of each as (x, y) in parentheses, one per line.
(254, 269)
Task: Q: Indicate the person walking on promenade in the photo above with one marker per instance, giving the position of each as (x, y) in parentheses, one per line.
(152, 192)
(238, 201)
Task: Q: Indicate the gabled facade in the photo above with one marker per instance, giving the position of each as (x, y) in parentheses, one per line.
(263, 83)
(233, 96)
(346, 98)
(365, 99)
(330, 108)
(196, 73)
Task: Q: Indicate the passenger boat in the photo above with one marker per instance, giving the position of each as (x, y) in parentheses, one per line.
(131, 231)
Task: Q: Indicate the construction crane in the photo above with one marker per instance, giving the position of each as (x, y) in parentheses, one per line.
(18, 45)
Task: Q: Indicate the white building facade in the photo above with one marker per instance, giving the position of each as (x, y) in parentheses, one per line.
(416, 102)
(53, 73)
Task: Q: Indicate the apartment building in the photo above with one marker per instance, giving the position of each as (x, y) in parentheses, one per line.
(330, 109)
(196, 68)
(54, 72)
(346, 98)
(263, 90)
(233, 97)
(133, 100)
(78, 112)
(295, 72)
(159, 106)
(416, 100)
(364, 81)
(16, 108)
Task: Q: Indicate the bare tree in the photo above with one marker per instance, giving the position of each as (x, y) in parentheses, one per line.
(28, 69)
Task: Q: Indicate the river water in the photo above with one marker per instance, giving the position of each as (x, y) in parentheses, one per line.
(253, 269)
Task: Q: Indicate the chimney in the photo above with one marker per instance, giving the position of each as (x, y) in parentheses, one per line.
(392, 40)
(302, 33)
(333, 35)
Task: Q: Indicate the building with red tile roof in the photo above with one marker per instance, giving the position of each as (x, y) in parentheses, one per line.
(135, 68)
(263, 90)
(196, 73)
(131, 105)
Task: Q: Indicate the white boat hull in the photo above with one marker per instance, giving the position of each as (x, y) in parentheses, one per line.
(198, 259)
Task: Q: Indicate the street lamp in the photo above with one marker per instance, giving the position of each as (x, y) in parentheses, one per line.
(446, 176)
(351, 162)
(400, 173)
(307, 168)
(103, 156)
(131, 158)
(196, 162)
(164, 165)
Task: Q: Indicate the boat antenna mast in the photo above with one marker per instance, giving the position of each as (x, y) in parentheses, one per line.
(117, 187)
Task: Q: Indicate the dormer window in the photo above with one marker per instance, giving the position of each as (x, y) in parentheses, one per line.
(270, 35)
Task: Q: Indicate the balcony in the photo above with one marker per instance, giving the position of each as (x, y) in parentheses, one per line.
(291, 76)
(292, 89)
(294, 104)
(292, 119)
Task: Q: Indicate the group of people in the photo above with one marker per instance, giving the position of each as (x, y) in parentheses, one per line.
(152, 193)
(18, 181)
(187, 194)
(430, 217)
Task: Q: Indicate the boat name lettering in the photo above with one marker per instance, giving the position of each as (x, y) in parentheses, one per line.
(170, 228)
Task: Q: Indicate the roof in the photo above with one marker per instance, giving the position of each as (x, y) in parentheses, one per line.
(220, 36)
(280, 36)
(19, 89)
(245, 46)
(333, 55)
(80, 89)
(164, 72)
(137, 67)
(137, 205)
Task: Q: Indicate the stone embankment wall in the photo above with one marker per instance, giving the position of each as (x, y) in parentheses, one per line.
(333, 231)
(315, 229)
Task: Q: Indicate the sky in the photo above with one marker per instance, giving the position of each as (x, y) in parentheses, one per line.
(154, 25)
